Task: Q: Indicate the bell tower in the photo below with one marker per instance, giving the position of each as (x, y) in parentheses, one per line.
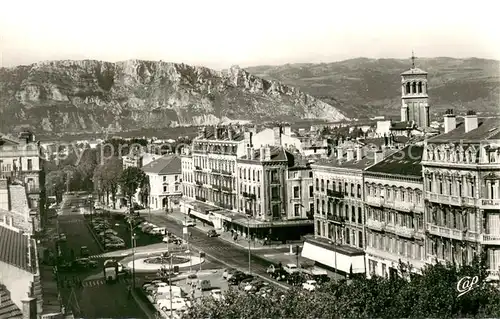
(414, 98)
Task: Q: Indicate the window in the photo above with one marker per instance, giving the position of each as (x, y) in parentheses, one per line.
(310, 174)
(176, 188)
(274, 176)
(311, 191)
(360, 239)
(165, 188)
(176, 178)
(296, 210)
(276, 210)
(296, 192)
(275, 194)
(164, 178)
(317, 184)
(353, 214)
(30, 164)
(360, 216)
(359, 191)
(322, 185)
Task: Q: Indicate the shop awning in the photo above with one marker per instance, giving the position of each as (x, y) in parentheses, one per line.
(340, 257)
(253, 223)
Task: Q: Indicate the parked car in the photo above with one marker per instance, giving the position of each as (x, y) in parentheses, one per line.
(310, 285)
(151, 284)
(217, 294)
(84, 263)
(237, 278)
(84, 251)
(62, 237)
(227, 271)
(291, 268)
(233, 273)
(212, 233)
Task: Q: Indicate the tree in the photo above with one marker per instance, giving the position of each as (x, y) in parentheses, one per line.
(130, 180)
(106, 178)
(145, 191)
(55, 184)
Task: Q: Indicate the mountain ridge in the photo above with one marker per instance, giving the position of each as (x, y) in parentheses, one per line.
(365, 86)
(91, 95)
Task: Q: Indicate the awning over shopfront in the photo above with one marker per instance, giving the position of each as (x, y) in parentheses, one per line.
(253, 223)
(340, 257)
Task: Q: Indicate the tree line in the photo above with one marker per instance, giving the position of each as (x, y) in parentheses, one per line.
(433, 294)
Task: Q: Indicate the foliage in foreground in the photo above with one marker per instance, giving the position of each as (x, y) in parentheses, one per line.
(433, 295)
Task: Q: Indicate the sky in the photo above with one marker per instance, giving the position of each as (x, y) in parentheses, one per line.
(218, 33)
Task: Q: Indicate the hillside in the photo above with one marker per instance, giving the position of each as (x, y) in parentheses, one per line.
(372, 87)
(91, 96)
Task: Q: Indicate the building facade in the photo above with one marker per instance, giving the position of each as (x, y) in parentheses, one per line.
(394, 204)
(21, 169)
(461, 170)
(165, 180)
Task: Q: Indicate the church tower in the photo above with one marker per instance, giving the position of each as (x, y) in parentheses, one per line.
(414, 98)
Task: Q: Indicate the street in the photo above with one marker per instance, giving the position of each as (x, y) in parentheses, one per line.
(215, 247)
(92, 298)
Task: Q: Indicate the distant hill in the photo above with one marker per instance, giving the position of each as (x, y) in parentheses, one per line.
(370, 87)
(74, 97)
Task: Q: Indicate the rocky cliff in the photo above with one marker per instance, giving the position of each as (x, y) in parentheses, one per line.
(75, 96)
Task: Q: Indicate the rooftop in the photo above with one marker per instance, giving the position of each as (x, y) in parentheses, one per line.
(13, 248)
(277, 154)
(365, 161)
(165, 165)
(401, 126)
(414, 71)
(488, 129)
(404, 162)
(223, 134)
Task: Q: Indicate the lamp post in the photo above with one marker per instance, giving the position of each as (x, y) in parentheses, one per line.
(132, 242)
(249, 250)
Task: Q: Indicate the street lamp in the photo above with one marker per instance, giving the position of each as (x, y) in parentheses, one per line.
(249, 250)
(133, 243)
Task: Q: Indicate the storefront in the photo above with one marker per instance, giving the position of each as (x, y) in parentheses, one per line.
(340, 258)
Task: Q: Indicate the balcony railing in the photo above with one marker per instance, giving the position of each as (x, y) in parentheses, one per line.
(336, 218)
(375, 224)
(216, 187)
(198, 183)
(445, 199)
(197, 168)
(446, 232)
(334, 193)
(228, 173)
(226, 189)
(375, 201)
(224, 205)
(404, 231)
(490, 239)
(489, 203)
(248, 211)
(215, 171)
(404, 206)
(201, 199)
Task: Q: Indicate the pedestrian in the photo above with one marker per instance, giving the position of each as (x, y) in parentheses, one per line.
(129, 292)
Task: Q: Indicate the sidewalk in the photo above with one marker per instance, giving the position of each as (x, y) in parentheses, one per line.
(226, 236)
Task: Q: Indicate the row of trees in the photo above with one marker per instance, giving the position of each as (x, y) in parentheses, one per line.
(432, 295)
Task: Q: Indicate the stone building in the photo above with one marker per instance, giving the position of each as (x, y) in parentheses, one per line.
(461, 170)
(394, 202)
(414, 97)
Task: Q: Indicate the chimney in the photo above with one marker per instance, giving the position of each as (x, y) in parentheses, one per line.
(378, 156)
(254, 129)
(216, 132)
(359, 152)
(450, 121)
(262, 153)
(277, 135)
(340, 153)
(204, 132)
(29, 308)
(267, 156)
(230, 133)
(249, 153)
(350, 154)
(252, 153)
(470, 121)
(11, 224)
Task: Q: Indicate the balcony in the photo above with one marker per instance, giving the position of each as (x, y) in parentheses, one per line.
(375, 201)
(226, 189)
(334, 193)
(490, 239)
(404, 231)
(375, 224)
(197, 168)
(216, 187)
(228, 173)
(224, 205)
(201, 199)
(198, 183)
(485, 203)
(248, 211)
(445, 199)
(215, 171)
(445, 232)
(404, 206)
(335, 218)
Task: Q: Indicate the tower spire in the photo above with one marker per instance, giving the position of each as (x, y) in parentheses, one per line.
(412, 59)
